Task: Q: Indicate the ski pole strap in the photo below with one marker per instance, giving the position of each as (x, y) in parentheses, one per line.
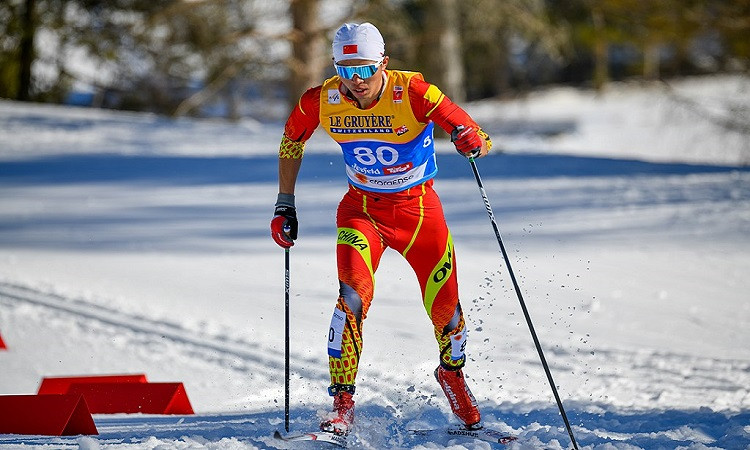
(284, 200)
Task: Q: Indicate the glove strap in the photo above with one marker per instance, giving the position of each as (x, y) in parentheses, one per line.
(285, 200)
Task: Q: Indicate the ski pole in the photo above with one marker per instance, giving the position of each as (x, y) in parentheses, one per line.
(286, 339)
(520, 299)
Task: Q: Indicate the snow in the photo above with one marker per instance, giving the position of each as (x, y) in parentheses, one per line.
(136, 244)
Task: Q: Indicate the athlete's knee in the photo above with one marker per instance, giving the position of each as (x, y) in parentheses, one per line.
(455, 320)
(352, 299)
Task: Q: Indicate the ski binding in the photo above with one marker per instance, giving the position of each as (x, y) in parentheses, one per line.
(320, 436)
(483, 434)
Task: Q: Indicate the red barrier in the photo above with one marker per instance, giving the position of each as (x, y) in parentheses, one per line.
(51, 415)
(146, 398)
(61, 385)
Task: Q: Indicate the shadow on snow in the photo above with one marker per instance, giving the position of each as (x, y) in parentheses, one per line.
(185, 170)
(156, 222)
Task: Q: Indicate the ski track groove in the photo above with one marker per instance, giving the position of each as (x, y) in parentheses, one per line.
(222, 350)
(206, 346)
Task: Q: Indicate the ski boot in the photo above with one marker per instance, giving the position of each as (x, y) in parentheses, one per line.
(462, 402)
(341, 418)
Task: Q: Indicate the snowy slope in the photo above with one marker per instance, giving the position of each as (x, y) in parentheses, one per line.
(133, 244)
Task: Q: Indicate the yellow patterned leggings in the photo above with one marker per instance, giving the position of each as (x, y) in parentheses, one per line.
(412, 223)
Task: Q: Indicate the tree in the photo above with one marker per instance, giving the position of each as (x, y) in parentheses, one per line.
(188, 57)
(509, 43)
(17, 54)
(730, 19)
(26, 54)
(441, 47)
(308, 53)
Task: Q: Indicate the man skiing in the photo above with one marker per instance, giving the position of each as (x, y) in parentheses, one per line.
(383, 120)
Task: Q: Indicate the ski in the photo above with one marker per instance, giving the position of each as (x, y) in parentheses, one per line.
(320, 436)
(483, 434)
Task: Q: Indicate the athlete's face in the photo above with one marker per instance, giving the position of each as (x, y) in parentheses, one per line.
(365, 90)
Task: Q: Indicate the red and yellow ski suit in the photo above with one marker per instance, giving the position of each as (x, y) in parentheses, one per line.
(390, 162)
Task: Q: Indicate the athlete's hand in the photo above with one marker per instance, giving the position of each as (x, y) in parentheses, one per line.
(284, 225)
(467, 141)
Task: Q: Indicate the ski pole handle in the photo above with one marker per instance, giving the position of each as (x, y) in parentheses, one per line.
(456, 135)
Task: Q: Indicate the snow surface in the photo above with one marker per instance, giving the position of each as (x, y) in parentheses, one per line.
(135, 244)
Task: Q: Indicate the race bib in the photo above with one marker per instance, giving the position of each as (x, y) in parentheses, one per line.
(458, 344)
(335, 332)
(390, 167)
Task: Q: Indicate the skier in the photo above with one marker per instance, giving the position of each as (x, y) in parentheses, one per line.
(383, 121)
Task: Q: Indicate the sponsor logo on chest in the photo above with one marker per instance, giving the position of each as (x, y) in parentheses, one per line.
(352, 124)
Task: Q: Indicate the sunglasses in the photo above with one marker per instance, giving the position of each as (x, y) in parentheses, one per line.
(365, 71)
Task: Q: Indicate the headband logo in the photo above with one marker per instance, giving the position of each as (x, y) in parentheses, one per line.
(349, 49)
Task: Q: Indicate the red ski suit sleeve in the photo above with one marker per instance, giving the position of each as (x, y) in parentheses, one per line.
(429, 103)
(305, 117)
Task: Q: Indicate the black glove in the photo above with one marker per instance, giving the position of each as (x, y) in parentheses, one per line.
(284, 224)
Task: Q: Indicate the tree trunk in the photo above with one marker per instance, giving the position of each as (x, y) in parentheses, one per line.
(500, 65)
(308, 53)
(26, 54)
(601, 49)
(442, 48)
(651, 62)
